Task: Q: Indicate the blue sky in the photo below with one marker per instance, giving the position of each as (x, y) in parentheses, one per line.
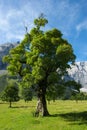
(69, 16)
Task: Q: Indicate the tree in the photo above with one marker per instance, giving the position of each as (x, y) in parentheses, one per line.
(72, 89)
(55, 91)
(27, 94)
(38, 57)
(79, 96)
(3, 82)
(10, 94)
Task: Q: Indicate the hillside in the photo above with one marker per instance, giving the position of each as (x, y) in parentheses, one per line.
(78, 72)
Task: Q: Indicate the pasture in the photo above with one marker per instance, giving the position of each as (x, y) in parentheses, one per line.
(65, 115)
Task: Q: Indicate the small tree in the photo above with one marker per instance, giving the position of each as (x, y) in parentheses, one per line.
(10, 93)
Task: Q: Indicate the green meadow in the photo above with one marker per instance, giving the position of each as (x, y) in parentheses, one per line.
(65, 115)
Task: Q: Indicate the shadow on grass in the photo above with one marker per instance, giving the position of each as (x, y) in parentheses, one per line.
(3, 103)
(22, 106)
(74, 117)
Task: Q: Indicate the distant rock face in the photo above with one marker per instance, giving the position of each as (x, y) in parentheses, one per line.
(4, 50)
(78, 72)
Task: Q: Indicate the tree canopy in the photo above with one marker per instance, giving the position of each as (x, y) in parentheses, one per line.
(10, 93)
(27, 94)
(41, 59)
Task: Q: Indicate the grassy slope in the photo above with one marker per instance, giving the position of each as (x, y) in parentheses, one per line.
(66, 115)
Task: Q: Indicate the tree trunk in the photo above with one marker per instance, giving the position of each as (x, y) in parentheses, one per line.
(41, 105)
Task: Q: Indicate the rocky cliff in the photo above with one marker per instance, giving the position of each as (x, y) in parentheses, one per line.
(78, 72)
(4, 50)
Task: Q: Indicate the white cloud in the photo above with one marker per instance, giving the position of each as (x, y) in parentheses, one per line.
(60, 13)
(64, 15)
(81, 26)
(4, 25)
(13, 36)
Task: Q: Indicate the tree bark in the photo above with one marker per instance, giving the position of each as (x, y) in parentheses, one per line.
(41, 105)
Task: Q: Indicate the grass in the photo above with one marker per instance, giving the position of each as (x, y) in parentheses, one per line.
(65, 115)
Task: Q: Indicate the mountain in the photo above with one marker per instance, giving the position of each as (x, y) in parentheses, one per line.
(78, 72)
(4, 50)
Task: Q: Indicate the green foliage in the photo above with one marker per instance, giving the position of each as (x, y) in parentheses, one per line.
(39, 55)
(56, 87)
(27, 94)
(79, 96)
(55, 92)
(3, 82)
(10, 93)
(73, 85)
(72, 89)
(4, 78)
(45, 53)
(41, 21)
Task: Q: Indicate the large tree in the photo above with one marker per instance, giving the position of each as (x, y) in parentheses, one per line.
(41, 59)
